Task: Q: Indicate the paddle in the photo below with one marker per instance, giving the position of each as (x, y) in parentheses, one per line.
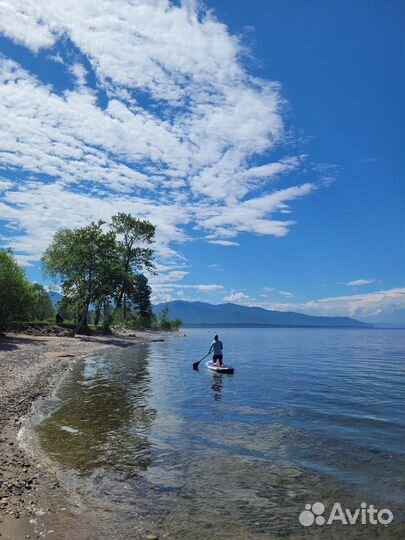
(196, 364)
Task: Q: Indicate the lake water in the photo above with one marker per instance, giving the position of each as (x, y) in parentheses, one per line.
(310, 415)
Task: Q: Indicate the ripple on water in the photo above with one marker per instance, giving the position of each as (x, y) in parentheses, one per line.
(309, 415)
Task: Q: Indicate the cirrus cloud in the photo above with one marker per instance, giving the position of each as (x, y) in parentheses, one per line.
(381, 306)
(358, 282)
(238, 298)
(161, 118)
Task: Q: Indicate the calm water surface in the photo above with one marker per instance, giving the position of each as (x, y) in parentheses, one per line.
(309, 415)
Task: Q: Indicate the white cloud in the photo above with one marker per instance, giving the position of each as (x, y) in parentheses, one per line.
(178, 139)
(238, 298)
(25, 260)
(223, 242)
(169, 281)
(56, 58)
(80, 73)
(208, 288)
(286, 294)
(170, 277)
(252, 215)
(274, 169)
(160, 297)
(19, 22)
(166, 291)
(38, 210)
(381, 306)
(368, 160)
(5, 184)
(358, 282)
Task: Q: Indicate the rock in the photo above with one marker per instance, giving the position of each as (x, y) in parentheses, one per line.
(152, 537)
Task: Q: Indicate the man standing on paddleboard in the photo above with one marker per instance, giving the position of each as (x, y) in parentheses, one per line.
(216, 347)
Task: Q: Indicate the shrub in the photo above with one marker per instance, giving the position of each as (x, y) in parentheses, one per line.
(17, 296)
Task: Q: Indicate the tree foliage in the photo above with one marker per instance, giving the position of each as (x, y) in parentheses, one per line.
(163, 321)
(98, 265)
(176, 323)
(133, 257)
(163, 318)
(17, 296)
(43, 306)
(140, 296)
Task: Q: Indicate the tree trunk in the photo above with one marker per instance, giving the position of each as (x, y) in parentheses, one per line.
(82, 321)
(120, 296)
(97, 314)
(123, 286)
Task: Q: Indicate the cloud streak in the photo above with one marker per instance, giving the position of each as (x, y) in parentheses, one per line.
(161, 118)
(382, 306)
(235, 297)
(358, 282)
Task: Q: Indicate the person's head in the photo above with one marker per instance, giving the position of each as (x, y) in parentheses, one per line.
(216, 337)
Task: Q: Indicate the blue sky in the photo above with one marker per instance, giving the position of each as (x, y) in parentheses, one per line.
(264, 139)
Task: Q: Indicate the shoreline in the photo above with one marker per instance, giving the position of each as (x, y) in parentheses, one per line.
(33, 503)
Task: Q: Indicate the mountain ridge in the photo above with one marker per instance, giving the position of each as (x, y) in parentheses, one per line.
(228, 314)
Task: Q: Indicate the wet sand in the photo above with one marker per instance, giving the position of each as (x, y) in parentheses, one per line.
(33, 503)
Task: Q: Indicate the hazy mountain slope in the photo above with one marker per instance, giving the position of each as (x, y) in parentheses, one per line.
(200, 313)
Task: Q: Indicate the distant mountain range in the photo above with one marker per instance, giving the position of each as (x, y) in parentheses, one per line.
(222, 315)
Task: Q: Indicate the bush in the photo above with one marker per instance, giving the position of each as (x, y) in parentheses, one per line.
(118, 317)
(164, 323)
(43, 307)
(17, 296)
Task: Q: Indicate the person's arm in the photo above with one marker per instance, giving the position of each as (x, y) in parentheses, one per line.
(210, 348)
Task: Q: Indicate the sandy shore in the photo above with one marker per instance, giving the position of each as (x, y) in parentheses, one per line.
(32, 502)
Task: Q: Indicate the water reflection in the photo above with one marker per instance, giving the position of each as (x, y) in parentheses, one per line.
(212, 456)
(104, 419)
(216, 385)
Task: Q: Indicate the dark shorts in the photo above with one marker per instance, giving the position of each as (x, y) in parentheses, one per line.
(217, 357)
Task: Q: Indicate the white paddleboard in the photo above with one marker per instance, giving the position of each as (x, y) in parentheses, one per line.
(219, 369)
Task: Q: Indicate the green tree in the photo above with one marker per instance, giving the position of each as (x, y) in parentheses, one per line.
(43, 307)
(133, 257)
(85, 261)
(16, 293)
(65, 311)
(163, 319)
(176, 323)
(140, 296)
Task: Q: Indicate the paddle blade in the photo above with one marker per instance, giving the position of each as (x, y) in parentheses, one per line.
(196, 364)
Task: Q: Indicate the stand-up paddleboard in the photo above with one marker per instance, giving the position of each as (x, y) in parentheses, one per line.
(219, 369)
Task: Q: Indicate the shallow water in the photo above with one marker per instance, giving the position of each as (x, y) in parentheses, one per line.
(309, 415)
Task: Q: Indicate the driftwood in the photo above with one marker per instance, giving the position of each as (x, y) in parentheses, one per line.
(28, 397)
